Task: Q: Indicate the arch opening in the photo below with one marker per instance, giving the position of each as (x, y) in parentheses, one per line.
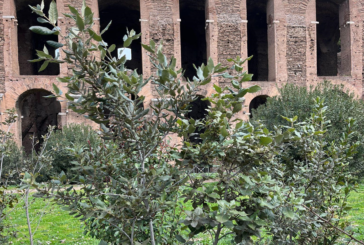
(38, 113)
(29, 42)
(193, 35)
(256, 102)
(329, 41)
(258, 39)
(124, 15)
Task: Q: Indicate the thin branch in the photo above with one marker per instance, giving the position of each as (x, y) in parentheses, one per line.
(333, 226)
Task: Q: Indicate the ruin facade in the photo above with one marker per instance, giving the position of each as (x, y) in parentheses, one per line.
(293, 41)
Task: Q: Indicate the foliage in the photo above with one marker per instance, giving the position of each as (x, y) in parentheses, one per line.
(7, 200)
(74, 136)
(12, 165)
(300, 101)
(259, 184)
(131, 179)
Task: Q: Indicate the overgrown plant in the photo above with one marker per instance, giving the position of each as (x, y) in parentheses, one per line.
(7, 199)
(74, 136)
(299, 101)
(130, 179)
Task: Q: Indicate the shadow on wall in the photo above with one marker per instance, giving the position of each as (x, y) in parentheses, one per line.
(38, 113)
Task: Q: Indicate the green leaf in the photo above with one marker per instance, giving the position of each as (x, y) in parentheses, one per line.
(41, 30)
(63, 80)
(265, 140)
(94, 36)
(53, 12)
(210, 64)
(254, 89)
(42, 20)
(218, 89)
(83, 8)
(237, 107)
(70, 98)
(180, 239)
(112, 48)
(36, 60)
(148, 48)
(162, 59)
(106, 28)
(80, 23)
(54, 44)
(73, 10)
(222, 218)
(89, 16)
(42, 5)
(223, 131)
(44, 66)
(247, 77)
(288, 213)
(57, 91)
(37, 11)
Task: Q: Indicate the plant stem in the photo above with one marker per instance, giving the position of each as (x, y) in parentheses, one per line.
(27, 213)
(152, 240)
(216, 241)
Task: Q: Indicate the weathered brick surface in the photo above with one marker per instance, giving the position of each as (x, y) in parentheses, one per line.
(292, 44)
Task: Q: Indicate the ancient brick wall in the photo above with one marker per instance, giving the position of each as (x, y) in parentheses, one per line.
(291, 55)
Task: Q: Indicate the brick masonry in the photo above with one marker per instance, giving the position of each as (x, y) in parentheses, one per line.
(292, 45)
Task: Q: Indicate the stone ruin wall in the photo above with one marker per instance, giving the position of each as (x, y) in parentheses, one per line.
(292, 46)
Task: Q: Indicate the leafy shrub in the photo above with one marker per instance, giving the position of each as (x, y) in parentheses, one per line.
(76, 136)
(13, 163)
(128, 181)
(300, 101)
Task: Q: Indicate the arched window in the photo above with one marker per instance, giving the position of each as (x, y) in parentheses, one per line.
(29, 42)
(256, 102)
(331, 43)
(125, 14)
(258, 39)
(38, 113)
(193, 35)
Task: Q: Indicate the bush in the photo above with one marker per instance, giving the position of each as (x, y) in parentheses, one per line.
(71, 136)
(300, 101)
(129, 188)
(13, 164)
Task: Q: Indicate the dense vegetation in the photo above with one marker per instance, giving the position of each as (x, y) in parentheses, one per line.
(134, 188)
(299, 101)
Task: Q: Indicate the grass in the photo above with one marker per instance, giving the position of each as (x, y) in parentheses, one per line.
(57, 227)
(356, 215)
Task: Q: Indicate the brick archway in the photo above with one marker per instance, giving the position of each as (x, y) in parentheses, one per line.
(37, 113)
(18, 86)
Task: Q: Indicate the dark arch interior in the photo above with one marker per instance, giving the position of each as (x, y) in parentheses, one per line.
(193, 35)
(198, 111)
(328, 37)
(256, 102)
(258, 39)
(28, 41)
(125, 14)
(38, 113)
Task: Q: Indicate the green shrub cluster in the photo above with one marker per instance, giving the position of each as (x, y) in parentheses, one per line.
(299, 101)
(75, 136)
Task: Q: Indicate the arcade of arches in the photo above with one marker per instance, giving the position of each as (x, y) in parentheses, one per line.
(301, 42)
